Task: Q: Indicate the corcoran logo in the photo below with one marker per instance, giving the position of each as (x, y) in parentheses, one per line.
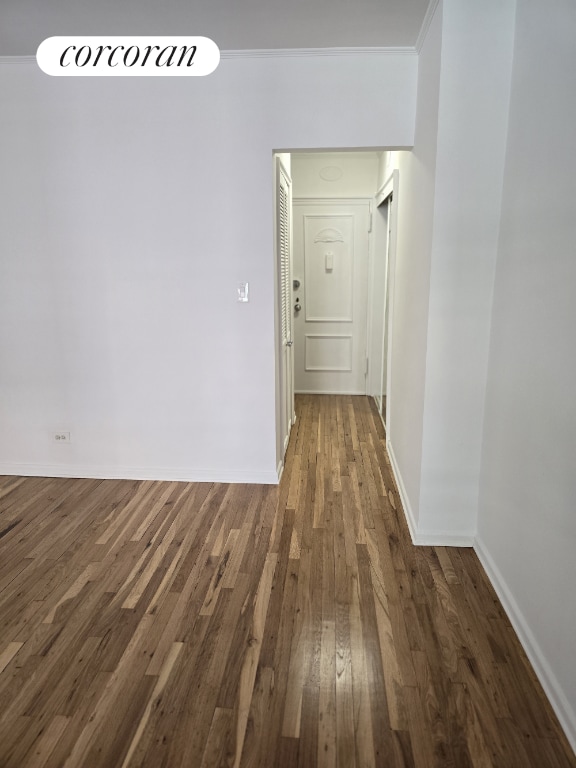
(127, 56)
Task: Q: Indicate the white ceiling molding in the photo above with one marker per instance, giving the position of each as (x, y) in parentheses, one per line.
(276, 53)
(17, 59)
(288, 52)
(430, 11)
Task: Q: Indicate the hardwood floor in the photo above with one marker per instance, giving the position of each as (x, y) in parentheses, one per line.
(204, 625)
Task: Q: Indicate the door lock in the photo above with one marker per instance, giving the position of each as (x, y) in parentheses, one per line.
(297, 306)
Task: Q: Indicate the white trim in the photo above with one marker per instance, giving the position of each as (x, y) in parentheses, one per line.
(546, 676)
(386, 189)
(379, 412)
(282, 168)
(428, 16)
(323, 200)
(370, 301)
(408, 514)
(443, 539)
(378, 302)
(306, 52)
(424, 538)
(324, 392)
(394, 183)
(345, 150)
(18, 59)
(274, 53)
(280, 470)
(140, 473)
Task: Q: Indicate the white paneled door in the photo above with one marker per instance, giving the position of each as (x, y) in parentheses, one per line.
(331, 240)
(284, 250)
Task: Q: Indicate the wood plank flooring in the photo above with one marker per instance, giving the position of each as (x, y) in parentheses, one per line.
(205, 625)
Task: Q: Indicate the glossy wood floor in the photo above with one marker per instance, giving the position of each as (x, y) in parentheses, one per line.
(199, 625)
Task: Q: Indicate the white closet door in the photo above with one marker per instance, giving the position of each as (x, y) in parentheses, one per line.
(284, 233)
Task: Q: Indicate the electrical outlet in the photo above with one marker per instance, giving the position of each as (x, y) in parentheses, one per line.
(61, 437)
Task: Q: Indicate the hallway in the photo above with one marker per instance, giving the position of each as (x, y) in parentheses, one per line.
(204, 625)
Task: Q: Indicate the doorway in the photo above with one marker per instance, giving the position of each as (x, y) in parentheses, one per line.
(334, 341)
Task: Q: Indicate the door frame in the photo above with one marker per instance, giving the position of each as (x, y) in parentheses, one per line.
(285, 407)
(389, 188)
(377, 302)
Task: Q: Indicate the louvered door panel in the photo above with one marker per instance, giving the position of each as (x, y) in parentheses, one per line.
(284, 247)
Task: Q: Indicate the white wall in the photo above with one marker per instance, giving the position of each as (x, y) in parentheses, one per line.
(449, 207)
(527, 516)
(131, 210)
(415, 201)
(477, 45)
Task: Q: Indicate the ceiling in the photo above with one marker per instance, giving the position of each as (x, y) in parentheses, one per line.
(244, 25)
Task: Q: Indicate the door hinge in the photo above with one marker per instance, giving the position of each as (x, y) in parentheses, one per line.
(367, 366)
(370, 219)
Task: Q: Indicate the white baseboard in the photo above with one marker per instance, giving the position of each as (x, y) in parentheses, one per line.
(141, 473)
(443, 539)
(408, 514)
(546, 676)
(421, 537)
(548, 680)
(280, 471)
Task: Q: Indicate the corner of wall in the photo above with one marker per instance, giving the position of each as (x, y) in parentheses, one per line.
(428, 16)
(404, 498)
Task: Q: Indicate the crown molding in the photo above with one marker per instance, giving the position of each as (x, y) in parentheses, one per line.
(274, 53)
(17, 59)
(428, 16)
(307, 52)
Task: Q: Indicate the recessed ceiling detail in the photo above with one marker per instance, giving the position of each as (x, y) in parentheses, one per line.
(331, 173)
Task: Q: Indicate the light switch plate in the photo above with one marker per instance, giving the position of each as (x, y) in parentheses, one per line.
(243, 292)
